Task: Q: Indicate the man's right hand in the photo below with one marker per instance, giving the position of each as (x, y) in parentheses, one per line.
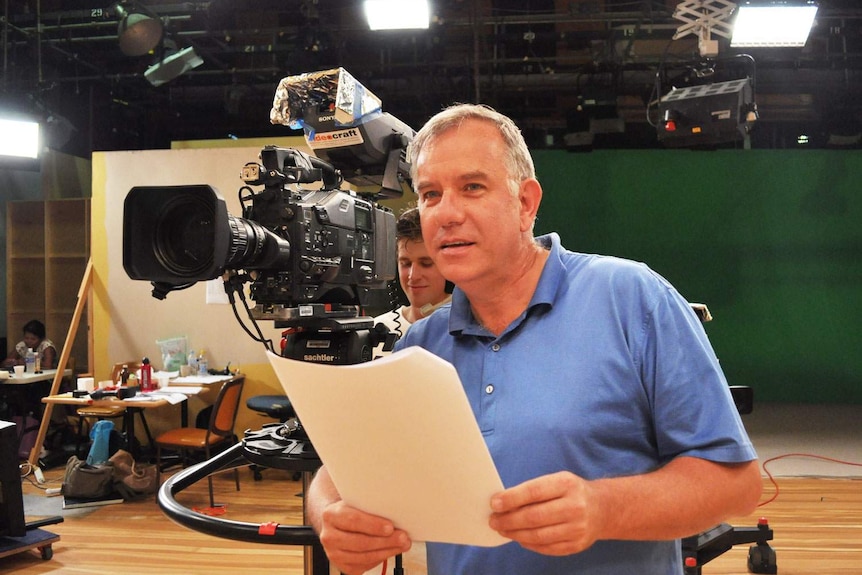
(356, 541)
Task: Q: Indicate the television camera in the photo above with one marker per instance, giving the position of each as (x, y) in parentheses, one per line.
(320, 260)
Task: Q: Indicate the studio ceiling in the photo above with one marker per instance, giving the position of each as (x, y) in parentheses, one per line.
(551, 64)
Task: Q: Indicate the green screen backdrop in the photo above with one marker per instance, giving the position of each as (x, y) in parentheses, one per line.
(770, 240)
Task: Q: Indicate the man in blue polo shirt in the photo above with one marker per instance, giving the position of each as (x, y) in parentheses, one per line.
(596, 389)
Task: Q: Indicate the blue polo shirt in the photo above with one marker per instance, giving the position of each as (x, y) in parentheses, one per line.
(608, 372)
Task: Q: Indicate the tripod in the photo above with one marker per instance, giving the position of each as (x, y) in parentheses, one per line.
(338, 340)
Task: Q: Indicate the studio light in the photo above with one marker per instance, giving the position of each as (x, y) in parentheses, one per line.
(172, 66)
(708, 114)
(138, 32)
(397, 14)
(19, 138)
(776, 23)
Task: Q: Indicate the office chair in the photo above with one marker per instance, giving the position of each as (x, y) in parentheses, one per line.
(274, 406)
(218, 433)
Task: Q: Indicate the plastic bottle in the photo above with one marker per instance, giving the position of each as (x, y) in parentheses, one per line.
(124, 375)
(38, 365)
(193, 363)
(30, 361)
(203, 364)
(146, 375)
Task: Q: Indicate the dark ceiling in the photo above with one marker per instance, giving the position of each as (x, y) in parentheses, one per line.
(551, 64)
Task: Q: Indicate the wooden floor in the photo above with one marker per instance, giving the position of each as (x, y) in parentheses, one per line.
(817, 525)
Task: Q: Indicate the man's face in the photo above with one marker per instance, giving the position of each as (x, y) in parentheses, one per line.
(471, 220)
(419, 277)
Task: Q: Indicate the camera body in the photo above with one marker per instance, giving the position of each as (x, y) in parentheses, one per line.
(306, 252)
(342, 244)
(320, 260)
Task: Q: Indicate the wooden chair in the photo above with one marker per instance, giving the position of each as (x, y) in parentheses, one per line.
(100, 412)
(218, 433)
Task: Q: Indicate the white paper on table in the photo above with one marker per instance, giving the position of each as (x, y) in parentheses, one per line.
(171, 398)
(199, 379)
(184, 389)
(399, 440)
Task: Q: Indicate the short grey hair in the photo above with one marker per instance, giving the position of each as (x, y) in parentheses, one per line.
(519, 163)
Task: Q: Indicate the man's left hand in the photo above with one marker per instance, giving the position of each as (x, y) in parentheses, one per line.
(551, 514)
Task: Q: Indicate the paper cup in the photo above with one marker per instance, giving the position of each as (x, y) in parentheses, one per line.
(87, 384)
(19, 370)
(185, 370)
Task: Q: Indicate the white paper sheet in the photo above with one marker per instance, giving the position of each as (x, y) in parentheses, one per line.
(400, 441)
(185, 389)
(199, 379)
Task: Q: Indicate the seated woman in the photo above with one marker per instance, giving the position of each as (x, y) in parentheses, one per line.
(34, 338)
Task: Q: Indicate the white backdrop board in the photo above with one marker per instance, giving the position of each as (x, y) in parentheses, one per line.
(135, 320)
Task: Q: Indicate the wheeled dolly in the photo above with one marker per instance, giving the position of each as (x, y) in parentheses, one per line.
(34, 538)
(700, 549)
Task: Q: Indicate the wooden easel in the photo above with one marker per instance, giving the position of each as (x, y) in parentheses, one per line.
(83, 294)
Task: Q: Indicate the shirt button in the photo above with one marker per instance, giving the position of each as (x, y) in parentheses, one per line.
(489, 389)
(495, 347)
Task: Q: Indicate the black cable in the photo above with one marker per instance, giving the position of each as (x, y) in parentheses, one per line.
(233, 285)
(656, 91)
(162, 289)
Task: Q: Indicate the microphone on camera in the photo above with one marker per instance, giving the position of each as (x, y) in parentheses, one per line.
(120, 392)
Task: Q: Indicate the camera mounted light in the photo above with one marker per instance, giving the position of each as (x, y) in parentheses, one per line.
(344, 124)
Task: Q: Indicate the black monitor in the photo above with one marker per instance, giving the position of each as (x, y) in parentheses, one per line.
(12, 522)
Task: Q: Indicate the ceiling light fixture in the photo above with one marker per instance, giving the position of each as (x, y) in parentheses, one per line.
(397, 14)
(775, 23)
(173, 65)
(139, 31)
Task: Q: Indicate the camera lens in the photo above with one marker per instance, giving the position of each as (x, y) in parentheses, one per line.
(184, 235)
(248, 242)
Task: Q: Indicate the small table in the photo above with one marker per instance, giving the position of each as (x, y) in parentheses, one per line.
(28, 378)
(131, 405)
(21, 385)
(180, 387)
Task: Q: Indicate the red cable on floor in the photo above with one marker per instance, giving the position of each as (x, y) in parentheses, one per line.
(775, 484)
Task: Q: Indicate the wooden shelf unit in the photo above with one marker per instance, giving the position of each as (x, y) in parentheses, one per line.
(47, 248)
